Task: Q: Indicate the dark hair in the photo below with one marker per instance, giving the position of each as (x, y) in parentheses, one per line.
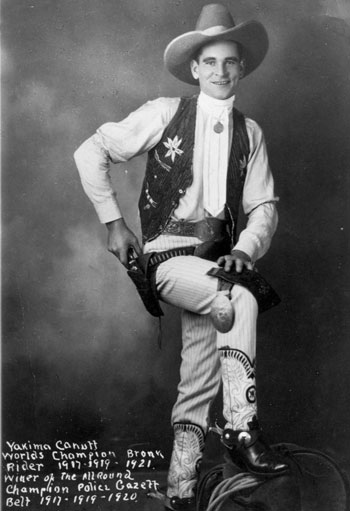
(199, 50)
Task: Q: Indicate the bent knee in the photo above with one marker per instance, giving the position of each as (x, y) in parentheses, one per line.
(241, 297)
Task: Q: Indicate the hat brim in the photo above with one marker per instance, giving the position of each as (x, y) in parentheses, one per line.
(251, 35)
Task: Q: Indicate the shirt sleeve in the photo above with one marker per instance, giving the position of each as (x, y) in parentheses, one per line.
(119, 142)
(259, 201)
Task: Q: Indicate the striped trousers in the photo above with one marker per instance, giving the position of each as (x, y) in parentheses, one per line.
(209, 356)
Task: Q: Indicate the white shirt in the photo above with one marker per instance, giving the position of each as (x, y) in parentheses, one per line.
(213, 149)
(143, 129)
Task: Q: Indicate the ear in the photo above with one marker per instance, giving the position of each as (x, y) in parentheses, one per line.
(241, 69)
(194, 69)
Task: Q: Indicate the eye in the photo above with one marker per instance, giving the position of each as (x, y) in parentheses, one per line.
(232, 62)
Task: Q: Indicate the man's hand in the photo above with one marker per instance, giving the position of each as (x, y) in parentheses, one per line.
(121, 240)
(238, 259)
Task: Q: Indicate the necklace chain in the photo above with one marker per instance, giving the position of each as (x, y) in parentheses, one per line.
(218, 126)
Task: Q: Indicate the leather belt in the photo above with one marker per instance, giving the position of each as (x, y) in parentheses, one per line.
(209, 229)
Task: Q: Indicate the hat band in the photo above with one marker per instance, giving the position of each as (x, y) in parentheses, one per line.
(218, 29)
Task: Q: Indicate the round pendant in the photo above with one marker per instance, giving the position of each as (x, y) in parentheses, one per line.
(218, 127)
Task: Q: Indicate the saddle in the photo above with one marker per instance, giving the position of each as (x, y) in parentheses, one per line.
(314, 483)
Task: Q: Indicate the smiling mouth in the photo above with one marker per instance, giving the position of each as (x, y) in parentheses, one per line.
(222, 82)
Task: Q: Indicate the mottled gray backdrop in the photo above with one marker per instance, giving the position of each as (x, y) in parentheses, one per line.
(80, 357)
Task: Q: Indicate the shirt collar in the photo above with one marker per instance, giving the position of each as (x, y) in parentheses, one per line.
(212, 105)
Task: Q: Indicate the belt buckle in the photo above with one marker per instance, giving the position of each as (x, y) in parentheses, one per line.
(173, 227)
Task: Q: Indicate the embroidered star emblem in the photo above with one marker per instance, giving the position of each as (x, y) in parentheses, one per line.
(173, 147)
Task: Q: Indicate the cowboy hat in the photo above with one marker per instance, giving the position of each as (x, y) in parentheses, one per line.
(215, 23)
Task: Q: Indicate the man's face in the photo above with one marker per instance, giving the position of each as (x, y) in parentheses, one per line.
(218, 69)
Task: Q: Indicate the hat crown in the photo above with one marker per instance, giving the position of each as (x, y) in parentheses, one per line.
(213, 15)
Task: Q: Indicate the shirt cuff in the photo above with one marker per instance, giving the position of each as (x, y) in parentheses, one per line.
(108, 211)
(249, 244)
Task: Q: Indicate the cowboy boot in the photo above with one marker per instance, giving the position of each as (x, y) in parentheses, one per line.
(242, 434)
(250, 451)
(184, 467)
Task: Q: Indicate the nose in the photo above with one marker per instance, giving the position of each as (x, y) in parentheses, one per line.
(221, 69)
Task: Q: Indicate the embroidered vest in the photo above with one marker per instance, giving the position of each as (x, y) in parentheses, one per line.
(169, 170)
